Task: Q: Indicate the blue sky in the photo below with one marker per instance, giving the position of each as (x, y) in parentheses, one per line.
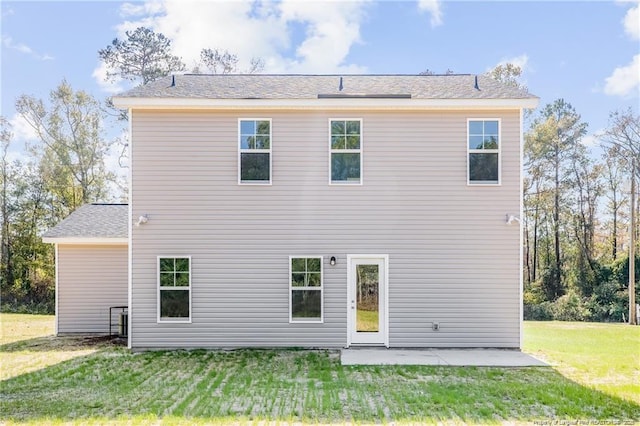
(585, 52)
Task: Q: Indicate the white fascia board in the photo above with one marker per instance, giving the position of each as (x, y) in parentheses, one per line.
(341, 103)
(86, 240)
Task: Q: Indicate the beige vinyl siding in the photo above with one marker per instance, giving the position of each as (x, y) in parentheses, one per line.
(452, 259)
(91, 278)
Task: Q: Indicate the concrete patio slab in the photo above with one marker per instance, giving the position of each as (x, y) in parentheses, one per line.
(451, 357)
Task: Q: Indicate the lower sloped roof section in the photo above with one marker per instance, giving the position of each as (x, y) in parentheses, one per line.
(92, 224)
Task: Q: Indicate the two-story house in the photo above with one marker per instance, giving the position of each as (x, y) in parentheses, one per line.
(323, 211)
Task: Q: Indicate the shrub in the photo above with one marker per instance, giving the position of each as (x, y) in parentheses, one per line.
(609, 302)
(538, 312)
(570, 308)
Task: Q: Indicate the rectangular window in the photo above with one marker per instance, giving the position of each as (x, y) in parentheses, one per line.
(254, 151)
(346, 151)
(305, 289)
(483, 144)
(174, 289)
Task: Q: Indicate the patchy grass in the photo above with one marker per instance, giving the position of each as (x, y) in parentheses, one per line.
(113, 385)
(27, 344)
(605, 357)
(17, 327)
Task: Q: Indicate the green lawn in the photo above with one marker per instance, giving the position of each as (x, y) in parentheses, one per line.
(112, 385)
(602, 356)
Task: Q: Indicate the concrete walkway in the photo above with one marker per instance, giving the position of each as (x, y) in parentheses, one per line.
(451, 357)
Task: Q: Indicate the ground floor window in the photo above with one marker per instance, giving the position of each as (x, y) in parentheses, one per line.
(305, 289)
(174, 289)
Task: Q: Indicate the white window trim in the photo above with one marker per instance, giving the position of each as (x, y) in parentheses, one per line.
(321, 289)
(348, 151)
(172, 320)
(485, 151)
(255, 151)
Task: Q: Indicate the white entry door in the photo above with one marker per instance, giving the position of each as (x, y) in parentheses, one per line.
(367, 300)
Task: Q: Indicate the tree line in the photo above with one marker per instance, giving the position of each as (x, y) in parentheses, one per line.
(576, 216)
(67, 165)
(575, 219)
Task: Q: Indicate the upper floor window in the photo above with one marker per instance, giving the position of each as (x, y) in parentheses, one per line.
(483, 144)
(174, 289)
(254, 151)
(346, 151)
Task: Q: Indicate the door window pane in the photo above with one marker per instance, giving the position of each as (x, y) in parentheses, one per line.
(367, 298)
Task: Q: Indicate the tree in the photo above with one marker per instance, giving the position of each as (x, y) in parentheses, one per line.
(70, 130)
(508, 74)
(145, 55)
(26, 267)
(624, 134)
(585, 181)
(553, 136)
(218, 61)
(615, 166)
(6, 265)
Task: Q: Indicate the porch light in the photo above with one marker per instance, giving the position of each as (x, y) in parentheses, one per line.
(142, 220)
(332, 261)
(511, 218)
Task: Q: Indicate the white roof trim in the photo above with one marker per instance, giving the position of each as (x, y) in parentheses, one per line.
(86, 240)
(330, 103)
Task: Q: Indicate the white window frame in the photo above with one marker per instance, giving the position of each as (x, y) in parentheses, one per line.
(320, 289)
(255, 151)
(160, 288)
(359, 151)
(485, 151)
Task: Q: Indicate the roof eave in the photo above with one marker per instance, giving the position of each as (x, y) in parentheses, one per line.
(86, 240)
(329, 103)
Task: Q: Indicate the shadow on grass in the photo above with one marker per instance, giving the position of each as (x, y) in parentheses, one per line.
(290, 386)
(66, 343)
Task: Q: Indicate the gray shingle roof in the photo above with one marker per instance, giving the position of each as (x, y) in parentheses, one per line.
(93, 221)
(263, 86)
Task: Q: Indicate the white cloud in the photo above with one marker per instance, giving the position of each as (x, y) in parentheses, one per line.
(592, 140)
(22, 130)
(14, 155)
(331, 30)
(100, 75)
(624, 80)
(290, 36)
(150, 7)
(7, 11)
(432, 7)
(117, 158)
(9, 43)
(632, 22)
